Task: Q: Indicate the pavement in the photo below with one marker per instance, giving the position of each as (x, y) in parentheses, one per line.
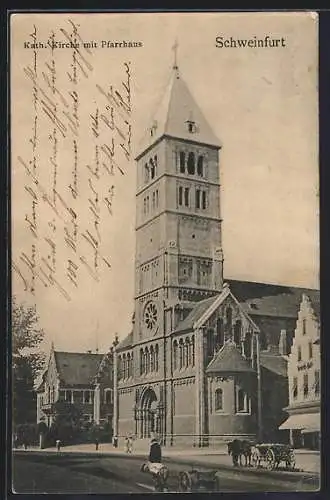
(307, 461)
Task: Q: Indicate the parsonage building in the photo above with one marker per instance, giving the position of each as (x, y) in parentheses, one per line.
(206, 360)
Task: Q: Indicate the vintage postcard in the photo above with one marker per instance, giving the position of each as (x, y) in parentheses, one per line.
(165, 252)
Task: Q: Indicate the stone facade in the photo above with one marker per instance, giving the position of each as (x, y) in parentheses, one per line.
(203, 355)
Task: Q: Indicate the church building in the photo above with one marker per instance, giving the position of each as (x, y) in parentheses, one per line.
(191, 369)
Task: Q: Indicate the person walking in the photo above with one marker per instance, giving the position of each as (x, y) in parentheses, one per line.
(155, 452)
(115, 441)
(58, 444)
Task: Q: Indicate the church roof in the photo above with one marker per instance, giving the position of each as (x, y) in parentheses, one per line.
(274, 363)
(176, 108)
(126, 342)
(263, 299)
(75, 368)
(229, 360)
(199, 308)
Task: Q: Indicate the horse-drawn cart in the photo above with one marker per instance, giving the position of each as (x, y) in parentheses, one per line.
(271, 456)
(195, 480)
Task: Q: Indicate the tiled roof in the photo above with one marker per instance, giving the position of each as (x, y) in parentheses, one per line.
(77, 368)
(263, 299)
(274, 363)
(229, 360)
(126, 342)
(198, 309)
(177, 106)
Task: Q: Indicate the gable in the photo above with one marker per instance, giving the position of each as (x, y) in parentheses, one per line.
(220, 305)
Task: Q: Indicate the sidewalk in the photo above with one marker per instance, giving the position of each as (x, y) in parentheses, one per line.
(306, 460)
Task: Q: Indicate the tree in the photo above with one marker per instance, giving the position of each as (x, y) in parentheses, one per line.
(27, 361)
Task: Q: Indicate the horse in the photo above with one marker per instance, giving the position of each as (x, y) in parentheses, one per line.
(239, 448)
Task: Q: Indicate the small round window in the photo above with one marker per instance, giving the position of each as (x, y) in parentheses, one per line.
(150, 315)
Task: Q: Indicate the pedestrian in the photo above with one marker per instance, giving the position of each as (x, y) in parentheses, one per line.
(126, 444)
(115, 441)
(96, 444)
(58, 444)
(235, 451)
(155, 452)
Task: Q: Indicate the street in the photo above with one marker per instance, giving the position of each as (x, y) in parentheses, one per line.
(38, 472)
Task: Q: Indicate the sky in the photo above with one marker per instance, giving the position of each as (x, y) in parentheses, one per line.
(261, 103)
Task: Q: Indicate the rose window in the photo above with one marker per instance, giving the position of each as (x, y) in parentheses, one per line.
(150, 315)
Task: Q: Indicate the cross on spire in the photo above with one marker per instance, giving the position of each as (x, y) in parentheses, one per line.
(175, 62)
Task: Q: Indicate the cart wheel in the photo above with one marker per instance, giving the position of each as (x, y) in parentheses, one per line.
(184, 482)
(270, 460)
(255, 459)
(292, 461)
(163, 474)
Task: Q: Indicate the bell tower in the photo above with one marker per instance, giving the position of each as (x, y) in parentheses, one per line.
(179, 255)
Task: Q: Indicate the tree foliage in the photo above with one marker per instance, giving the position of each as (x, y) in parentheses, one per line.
(27, 360)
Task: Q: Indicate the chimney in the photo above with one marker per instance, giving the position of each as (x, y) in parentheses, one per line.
(282, 346)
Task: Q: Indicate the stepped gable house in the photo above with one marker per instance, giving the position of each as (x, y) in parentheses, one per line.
(201, 361)
(82, 379)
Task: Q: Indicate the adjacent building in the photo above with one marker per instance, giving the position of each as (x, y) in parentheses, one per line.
(84, 380)
(304, 421)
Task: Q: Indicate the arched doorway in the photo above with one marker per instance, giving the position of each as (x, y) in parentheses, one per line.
(149, 417)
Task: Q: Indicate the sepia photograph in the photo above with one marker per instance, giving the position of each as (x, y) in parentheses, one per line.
(165, 252)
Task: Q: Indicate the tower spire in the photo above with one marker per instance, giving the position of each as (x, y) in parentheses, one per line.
(175, 61)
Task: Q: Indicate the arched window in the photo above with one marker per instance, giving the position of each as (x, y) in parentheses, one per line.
(146, 173)
(186, 197)
(152, 169)
(49, 395)
(241, 401)
(198, 198)
(193, 351)
(156, 358)
(200, 166)
(124, 366)
(186, 352)
(218, 400)
(229, 319)
(210, 342)
(237, 332)
(220, 334)
(181, 353)
(182, 162)
(180, 195)
(108, 396)
(247, 345)
(152, 359)
(141, 362)
(147, 360)
(191, 163)
(155, 161)
(204, 203)
(175, 355)
(120, 368)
